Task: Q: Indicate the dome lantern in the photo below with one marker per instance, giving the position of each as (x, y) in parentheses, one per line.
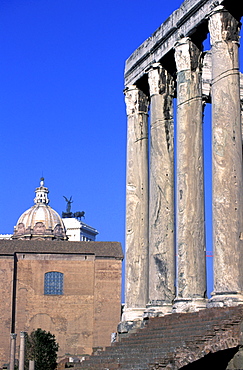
(41, 193)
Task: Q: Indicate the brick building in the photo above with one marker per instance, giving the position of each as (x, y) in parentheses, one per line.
(71, 289)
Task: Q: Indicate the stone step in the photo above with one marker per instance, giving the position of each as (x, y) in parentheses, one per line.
(162, 337)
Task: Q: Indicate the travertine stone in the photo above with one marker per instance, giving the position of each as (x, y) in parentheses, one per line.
(161, 200)
(22, 350)
(12, 350)
(31, 365)
(226, 159)
(191, 284)
(242, 120)
(136, 204)
(183, 21)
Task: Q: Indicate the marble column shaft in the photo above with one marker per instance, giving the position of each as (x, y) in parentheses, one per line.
(161, 200)
(22, 350)
(226, 158)
(191, 279)
(12, 350)
(31, 365)
(136, 291)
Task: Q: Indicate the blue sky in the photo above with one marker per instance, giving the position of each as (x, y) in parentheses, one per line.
(61, 104)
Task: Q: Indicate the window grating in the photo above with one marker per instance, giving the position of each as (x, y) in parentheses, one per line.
(53, 283)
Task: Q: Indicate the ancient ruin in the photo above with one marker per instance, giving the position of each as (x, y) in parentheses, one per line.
(172, 64)
(166, 326)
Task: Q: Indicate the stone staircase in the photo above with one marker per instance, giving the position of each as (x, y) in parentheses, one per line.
(174, 340)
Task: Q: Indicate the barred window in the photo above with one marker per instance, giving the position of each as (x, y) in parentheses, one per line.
(53, 283)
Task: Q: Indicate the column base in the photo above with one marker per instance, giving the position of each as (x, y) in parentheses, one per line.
(225, 299)
(157, 308)
(128, 327)
(132, 319)
(131, 314)
(189, 305)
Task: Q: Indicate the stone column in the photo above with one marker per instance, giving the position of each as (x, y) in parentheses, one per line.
(191, 279)
(136, 291)
(31, 365)
(161, 200)
(22, 350)
(242, 120)
(12, 350)
(227, 160)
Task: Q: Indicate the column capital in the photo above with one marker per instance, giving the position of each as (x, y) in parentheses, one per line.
(22, 334)
(13, 336)
(153, 66)
(187, 55)
(160, 81)
(136, 100)
(223, 26)
(182, 41)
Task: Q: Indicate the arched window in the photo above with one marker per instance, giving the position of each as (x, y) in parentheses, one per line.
(53, 283)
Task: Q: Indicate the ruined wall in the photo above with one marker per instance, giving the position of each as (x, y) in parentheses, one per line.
(172, 64)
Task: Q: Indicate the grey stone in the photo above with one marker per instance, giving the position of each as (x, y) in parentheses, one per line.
(136, 290)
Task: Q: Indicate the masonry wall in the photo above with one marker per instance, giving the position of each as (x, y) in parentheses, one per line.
(82, 318)
(6, 276)
(68, 316)
(107, 307)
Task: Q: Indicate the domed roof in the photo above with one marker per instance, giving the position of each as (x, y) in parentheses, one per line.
(40, 221)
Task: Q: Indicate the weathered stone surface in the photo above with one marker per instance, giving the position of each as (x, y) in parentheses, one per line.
(161, 200)
(227, 159)
(12, 350)
(136, 290)
(190, 188)
(202, 77)
(182, 22)
(207, 339)
(22, 350)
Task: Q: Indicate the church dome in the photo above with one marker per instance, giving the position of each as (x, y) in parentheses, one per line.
(40, 221)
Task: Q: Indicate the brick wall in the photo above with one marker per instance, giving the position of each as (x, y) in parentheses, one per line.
(82, 318)
(6, 276)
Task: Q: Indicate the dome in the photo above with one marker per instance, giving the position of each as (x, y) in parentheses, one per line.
(40, 221)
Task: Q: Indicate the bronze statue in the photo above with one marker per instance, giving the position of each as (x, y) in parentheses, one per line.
(68, 209)
(68, 213)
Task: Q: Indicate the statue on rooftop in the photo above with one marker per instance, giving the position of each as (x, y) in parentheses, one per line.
(68, 209)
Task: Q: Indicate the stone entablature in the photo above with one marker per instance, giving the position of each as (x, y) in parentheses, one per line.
(183, 22)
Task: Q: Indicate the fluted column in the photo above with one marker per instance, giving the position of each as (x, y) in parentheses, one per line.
(22, 350)
(227, 159)
(136, 290)
(191, 277)
(12, 350)
(161, 200)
